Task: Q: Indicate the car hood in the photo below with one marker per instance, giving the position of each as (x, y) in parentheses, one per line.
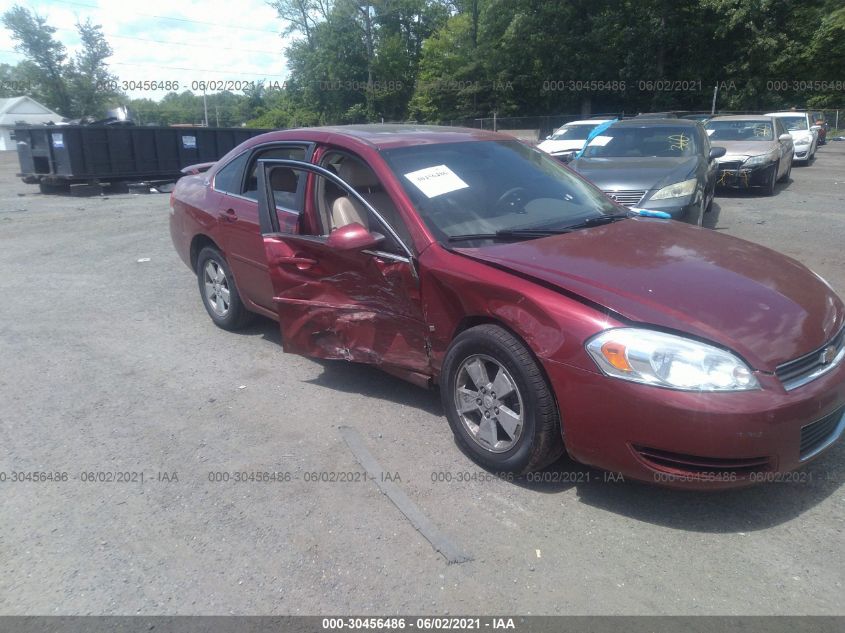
(745, 148)
(634, 173)
(553, 147)
(762, 305)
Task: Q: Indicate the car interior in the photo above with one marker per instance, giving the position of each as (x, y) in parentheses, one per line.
(337, 209)
(745, 131)
(652, 141)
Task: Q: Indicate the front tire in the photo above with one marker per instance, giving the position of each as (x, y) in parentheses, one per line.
(788, 173)
(498, 403)
(219, 293)
(769, 187)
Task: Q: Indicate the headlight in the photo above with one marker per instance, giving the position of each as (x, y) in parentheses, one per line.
(762, 159)
(666, 360)
(678, 190)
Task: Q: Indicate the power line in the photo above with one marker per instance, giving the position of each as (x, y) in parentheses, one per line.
(180, 68)
(166, 17)
(143, 39)
(198, 70)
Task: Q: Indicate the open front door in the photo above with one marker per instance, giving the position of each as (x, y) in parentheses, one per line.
(350, 294)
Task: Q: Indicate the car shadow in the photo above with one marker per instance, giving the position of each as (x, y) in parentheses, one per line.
(728, 511)
(371, 382)
(740, 510)
(711, 218)
(357, 378)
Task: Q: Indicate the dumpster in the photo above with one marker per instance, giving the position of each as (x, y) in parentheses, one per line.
(56, 156)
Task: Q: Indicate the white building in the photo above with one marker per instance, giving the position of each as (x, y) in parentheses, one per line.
(17, 110)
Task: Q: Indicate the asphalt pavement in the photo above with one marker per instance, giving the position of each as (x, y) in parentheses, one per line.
(111, 371)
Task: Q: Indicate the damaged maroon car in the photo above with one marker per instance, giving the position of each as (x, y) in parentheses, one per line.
(551, 318)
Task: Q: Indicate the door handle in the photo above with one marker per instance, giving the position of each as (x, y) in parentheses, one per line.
(302, 263)
(229, 215)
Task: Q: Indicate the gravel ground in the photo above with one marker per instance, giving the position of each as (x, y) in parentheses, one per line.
(110, 364)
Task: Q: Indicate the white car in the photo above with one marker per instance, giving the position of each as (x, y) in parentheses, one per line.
(805, 135)
(568, 139)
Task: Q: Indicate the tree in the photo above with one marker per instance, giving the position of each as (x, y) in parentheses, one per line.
(47, 56)
(302, 16)
(90, 80)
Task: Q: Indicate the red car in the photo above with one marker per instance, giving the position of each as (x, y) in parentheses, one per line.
(551, 318)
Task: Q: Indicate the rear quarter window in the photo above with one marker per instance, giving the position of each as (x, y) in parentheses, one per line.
(229, 178)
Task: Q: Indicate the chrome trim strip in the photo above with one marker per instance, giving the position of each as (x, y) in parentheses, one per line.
(818, 373)
(386, 255)
(837, 433)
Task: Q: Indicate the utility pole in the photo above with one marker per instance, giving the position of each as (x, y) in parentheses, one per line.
(715, 94)
(204, 107)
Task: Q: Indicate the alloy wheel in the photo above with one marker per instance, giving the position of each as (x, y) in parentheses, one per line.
(217, 291)
(489, 404)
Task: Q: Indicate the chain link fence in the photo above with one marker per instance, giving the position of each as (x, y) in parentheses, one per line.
(536, 128)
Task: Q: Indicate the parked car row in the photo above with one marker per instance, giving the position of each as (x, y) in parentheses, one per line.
(551, 317)
(675, 164)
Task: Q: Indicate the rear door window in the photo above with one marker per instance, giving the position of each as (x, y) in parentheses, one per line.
(250, 187)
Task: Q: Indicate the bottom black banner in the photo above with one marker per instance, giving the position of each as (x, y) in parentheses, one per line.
(435, 624)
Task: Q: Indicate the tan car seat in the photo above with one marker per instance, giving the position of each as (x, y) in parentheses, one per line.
(344, 209)
(283, 183)
(367, 184)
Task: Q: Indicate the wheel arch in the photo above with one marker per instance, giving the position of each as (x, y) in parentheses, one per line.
(199, 242)
(471, 321)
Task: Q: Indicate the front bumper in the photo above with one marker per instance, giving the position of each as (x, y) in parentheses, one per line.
(697, 440)
(802, 152)
(684, 209)
(739, 177)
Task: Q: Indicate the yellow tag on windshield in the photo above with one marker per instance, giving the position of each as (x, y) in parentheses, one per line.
(680, 142)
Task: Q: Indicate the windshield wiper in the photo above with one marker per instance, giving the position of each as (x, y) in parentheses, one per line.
(537, 232)
(508, 234)
(598, 221)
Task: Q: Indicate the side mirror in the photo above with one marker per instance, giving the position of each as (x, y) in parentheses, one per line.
(785, 137)
(353, 237)
(816, 127)
(717, 152)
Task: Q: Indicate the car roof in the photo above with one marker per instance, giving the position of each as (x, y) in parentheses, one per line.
(788, 113)
(387, 135)
(587, 122)
(740, 117)
(656, 122)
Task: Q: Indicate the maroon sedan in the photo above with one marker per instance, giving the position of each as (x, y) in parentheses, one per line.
(551, 318)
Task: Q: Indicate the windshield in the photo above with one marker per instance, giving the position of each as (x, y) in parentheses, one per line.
(760, 130)
(482, 187)
(794, 123)
(573, 132)
(652, 140)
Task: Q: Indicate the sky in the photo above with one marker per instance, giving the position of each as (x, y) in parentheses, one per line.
(171, 40)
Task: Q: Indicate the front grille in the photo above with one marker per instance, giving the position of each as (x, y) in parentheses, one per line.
(731, 165)
(810, 366)
(627, 198)
(702, 466)
(822, 432)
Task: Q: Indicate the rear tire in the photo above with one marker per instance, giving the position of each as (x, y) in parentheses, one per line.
(516, 430)
(218, 291)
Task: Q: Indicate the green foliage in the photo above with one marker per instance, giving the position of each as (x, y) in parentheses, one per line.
(46, 64)
(88, 77)
(448, 60)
